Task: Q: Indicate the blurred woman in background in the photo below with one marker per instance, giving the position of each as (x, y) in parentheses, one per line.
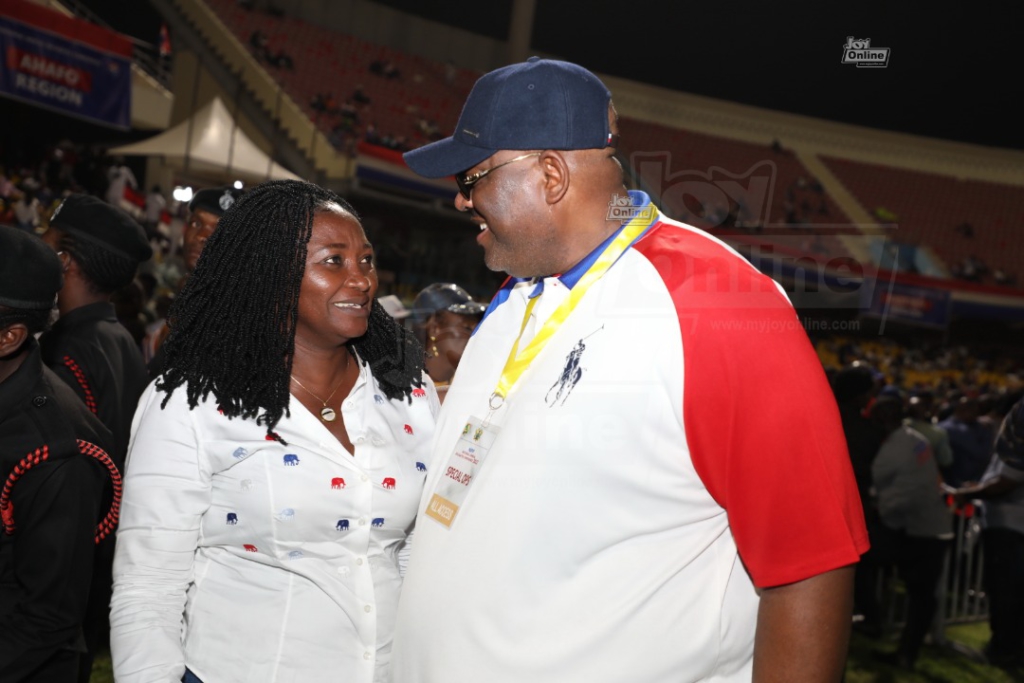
(444, 317)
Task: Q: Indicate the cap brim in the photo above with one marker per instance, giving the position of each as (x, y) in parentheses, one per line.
(468, 308)
(445, 157)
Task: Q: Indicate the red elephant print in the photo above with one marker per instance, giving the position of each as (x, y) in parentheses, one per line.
(388, 483)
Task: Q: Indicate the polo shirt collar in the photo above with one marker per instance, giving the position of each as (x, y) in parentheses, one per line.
(570, 277)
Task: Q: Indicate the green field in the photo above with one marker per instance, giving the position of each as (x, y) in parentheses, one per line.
(958, 663)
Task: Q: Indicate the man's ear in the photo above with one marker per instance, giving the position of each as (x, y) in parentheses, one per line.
(65, 261)
(556, 175)
(12, 338)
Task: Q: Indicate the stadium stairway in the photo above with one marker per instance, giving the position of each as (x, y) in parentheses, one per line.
(298, 145)
(859, 246)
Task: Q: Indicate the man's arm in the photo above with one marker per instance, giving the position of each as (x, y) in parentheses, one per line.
(803, 629)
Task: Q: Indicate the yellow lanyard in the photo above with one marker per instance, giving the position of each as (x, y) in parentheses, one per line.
(517, 362)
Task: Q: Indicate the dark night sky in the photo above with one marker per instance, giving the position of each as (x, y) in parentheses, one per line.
(954, 71)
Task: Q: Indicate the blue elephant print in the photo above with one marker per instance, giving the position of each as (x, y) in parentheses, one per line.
(342, 525)
(420, 467)
(378, 521)
(240, 452)
(232, 518)
(291, 460)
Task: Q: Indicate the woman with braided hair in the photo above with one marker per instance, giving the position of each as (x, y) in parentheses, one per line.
(277, 463)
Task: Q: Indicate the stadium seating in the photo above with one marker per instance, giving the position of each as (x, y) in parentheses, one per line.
(928, 209)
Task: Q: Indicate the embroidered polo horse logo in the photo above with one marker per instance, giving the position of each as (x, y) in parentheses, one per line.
(572, 373)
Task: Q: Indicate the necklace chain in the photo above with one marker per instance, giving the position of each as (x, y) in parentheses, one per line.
(327, 414)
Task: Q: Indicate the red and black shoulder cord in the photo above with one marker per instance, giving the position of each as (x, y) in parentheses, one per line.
(42, 454)
(90, 400)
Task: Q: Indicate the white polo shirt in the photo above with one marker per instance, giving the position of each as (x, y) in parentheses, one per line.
(675, 434)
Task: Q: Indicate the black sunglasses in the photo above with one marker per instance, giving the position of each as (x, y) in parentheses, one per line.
(467, 181)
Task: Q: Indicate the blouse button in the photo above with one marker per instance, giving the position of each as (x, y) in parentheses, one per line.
(362, 521)
(367, 609)
(359, 560)
(367, 655)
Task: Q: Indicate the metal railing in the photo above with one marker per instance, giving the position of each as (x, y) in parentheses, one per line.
(960, 591)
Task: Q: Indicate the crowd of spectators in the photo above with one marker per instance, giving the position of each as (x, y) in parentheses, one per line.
(921, 423)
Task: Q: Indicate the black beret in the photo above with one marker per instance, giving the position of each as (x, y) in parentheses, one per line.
(91, 219)
(216, 200)
(30, 272)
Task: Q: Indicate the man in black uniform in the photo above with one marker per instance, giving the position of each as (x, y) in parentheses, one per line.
(205, 210)
(100, 248)
(50, 487)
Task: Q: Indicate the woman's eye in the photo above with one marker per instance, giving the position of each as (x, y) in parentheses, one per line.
(333, 259)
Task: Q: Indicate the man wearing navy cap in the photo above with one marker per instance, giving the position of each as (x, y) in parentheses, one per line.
(100, 248)
(613, 493)
(205, 210)
(50, 487)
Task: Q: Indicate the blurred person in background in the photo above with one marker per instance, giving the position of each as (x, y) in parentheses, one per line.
(908, 488)
(277, 462)
(205, 211)
(26, 211)
(119, 177)
(855, 388)
(970, 440)
(920, 418)
(53, 485)
(444, 316)
(1002, 490)
(100, 248)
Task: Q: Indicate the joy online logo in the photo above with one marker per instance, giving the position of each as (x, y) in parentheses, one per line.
(858, 51)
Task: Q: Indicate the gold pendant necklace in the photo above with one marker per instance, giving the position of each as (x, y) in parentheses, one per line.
(327, 413)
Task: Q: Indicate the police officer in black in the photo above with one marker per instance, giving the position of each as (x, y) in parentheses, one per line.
(100, 248)
(51, 485)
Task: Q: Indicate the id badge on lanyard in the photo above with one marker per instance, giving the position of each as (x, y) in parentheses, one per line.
(465, 461)
(478, 435)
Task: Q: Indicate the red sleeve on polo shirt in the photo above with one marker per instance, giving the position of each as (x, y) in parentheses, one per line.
(762, 426)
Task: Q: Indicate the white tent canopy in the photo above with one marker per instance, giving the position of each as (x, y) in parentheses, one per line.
(217, 147)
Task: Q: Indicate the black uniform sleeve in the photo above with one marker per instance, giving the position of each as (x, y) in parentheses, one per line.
(55, 508)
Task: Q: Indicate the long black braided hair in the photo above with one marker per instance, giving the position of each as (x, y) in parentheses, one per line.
(233, 326)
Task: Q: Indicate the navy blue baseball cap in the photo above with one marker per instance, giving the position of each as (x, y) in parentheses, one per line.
(536, 104)
(444, 296)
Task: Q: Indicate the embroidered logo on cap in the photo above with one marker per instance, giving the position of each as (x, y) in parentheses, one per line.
(226, 201)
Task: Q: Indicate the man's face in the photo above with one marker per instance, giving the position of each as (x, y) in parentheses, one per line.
(506, 204)
(517, 231)
(198, 228)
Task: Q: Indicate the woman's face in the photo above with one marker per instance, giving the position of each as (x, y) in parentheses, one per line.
(452, 332)
(340, 282)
